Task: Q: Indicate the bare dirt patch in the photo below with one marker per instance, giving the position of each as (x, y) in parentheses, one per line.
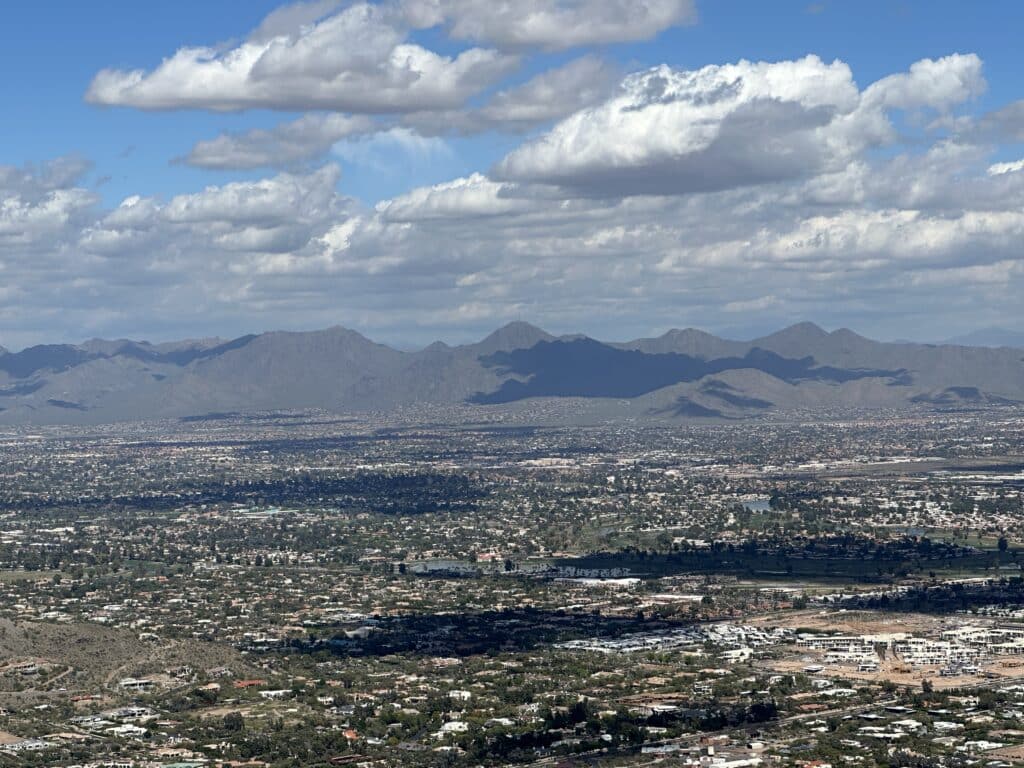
(1008, 753)
(100, 655)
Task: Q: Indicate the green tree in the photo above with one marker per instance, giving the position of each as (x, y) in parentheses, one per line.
(233, 721)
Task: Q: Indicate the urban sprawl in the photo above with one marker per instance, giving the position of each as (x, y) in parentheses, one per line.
(308, 589)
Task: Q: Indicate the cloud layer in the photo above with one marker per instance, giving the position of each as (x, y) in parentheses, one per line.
(666, 198)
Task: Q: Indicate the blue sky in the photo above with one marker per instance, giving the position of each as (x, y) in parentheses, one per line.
(460, 260)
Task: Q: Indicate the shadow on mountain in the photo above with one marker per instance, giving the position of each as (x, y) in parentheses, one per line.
(67, 405)
(22, 389)
(52, 357)
(725, 393)
(961, 396)
(684, 406)
(62, 357)
(182, 357)
(588, 368)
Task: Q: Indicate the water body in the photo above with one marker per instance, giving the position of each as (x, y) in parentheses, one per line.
(758, 506)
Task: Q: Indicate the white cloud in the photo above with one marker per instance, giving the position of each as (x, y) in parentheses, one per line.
(287, 144)
(998, 169)
(390, 151)
(291, 19)
(720, 126)
(356, 60)
(671, 132)
(760, 304)
(935, 83)
(39, 207)
(468, 197)
(266, 201)
(548, 96)
(552, 94)
(552, 24)
(1006, 123)
(289, 251)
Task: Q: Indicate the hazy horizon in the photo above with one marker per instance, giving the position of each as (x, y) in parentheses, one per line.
(457, 338)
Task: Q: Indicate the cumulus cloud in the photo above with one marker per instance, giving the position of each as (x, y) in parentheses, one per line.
(469, 197)
(936, 83)
(290, 19)
(552, 24)
(998, 169)
(552, 93)
(713, 128)
(673, 132)
(40, 207)
(59, 173)
(357, 60)
(545, 98)
(1002, 124)
(284, 145)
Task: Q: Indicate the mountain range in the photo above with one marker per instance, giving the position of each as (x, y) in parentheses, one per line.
(990, 337)
(680, 375)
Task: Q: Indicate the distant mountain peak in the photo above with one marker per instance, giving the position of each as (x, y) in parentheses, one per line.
(676, 333)
(514, 335)
(845, 332)
(437, 346)
(520, 326)
(990, 337)
(687, 341)
(348, 333)
(796, 340)
(110, 346)
(799, 331)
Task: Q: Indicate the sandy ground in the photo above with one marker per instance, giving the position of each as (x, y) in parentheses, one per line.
(245, 711)
(1007, 753)
(894, 670)
(912, 678)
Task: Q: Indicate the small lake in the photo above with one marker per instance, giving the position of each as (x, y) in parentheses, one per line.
(758, 505)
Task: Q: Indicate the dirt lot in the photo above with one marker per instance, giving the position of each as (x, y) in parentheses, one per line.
(1007, 753)
(245, 711)
(895, 671)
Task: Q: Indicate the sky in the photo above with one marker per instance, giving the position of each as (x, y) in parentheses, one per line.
(432, 169)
